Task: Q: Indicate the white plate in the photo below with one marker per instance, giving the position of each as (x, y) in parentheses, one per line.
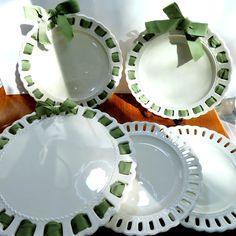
(215, 210)
(73, 170)
(86, 69)
(166, 187)
(175, 92)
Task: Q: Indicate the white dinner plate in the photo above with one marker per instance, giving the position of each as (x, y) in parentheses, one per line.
(215, 209)
(166, 186)
(172, 91)
(66, 173)
(86, 69)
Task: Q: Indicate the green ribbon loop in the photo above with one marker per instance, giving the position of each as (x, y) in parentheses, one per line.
(177, 21)
(48, 19)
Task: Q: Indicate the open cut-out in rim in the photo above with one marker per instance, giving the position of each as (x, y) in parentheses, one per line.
(166, 187)
(86, 69)
(69, 173)
(172, 91)
(215, 210)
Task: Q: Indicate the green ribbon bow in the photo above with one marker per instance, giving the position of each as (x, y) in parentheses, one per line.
(177, 21)
(48, 108)
(48, 19)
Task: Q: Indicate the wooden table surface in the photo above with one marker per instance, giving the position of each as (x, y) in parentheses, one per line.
(124, 108)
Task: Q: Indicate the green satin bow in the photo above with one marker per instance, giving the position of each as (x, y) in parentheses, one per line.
(177, 21)
(48, 19)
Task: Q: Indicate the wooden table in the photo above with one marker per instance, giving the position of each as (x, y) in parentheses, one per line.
(124, 108)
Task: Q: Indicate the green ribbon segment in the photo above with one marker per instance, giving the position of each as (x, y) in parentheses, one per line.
(3, 142)
(177, 21)
(53, 229)
(102, 208)
(14, 129)
(80, 223)
(26, 228)
(5, 219)
(49, 19)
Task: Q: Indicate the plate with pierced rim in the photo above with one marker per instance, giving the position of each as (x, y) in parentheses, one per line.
(215, 210)
(161, 82)
(166, 187)
(64, 174)
(86, 69)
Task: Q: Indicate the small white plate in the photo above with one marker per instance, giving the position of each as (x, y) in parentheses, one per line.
(166, 186)
(73, 170)
(172, 91)
(215, 209)
(86, 69)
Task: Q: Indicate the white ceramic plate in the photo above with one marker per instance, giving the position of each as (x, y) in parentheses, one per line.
(73, 170)
(175, 92)
(166, 186)
(215, 209)
(86, 69)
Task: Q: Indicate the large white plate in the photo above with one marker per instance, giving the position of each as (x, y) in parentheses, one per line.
(215, 209)
(173, 91)
(166, 186)
(73, 170)
(86, 69)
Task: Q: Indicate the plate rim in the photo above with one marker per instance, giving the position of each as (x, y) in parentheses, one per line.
(187, 112)
(222, 140)
(115, 64)
(108, 195)
(153, 130)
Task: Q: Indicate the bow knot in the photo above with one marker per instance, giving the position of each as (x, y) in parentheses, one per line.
(49, 18)
(192, 30)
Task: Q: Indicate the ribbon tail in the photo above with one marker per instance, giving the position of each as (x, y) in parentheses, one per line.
(197, 29)
(42, 33)
(173, 11)
(162, 26)
(34, 12)
(65, 27)
(196, 49)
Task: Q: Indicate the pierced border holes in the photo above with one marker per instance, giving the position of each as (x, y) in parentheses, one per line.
(190, 159)
(128, 128)
(219, 140)
(195, 131)
(179, 210)
(211, 136)
(129, 226)
(162, 222)
(187, 131)
(233, 214)
(233, 151)
(171, 217)
(153, 128)
(193, 167)
(191, 194)
(227, 220)
(203, 133)
(207, 223)
(186, 219)
(186, 202)
(151, 225)
(119, 222)
(140, 226)
(144, 127)
(180, 131)
(227, 144)
(218, 222)
(197, 221)
(136, 127)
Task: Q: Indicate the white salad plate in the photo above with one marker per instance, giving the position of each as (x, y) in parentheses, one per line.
(166, 187)
(65, 173)
(86, 69)
(160, 80)
(215, 210)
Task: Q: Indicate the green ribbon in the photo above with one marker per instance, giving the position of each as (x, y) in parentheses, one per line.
(48, 108)
(48, 19)
(177, 21)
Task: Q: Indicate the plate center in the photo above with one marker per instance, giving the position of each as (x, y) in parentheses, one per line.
(219, 173)
(56, 167)
(77, 69)
(159, 179)
(170, 85)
